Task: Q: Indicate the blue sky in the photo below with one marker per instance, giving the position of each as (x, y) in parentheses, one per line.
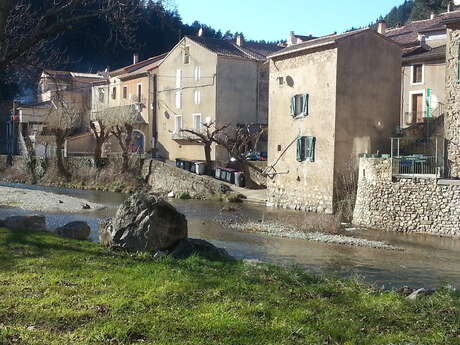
(274, 19)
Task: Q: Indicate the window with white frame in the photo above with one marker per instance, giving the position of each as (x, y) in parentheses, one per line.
(101, 91)
(306, 149)
(125, 92)
(178, 99)
(186, 55)
(417, 74)
(300, 105)
(178, 79)
(139, 92)
(197, 96)
(114, 92)
(178, 124)
(197, 73)
(197, 124)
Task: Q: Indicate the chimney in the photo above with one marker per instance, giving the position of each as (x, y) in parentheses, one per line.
(291, 39)
(432, 15)
(135, 58)
(239, 40)
(382, 27)
(200, 32)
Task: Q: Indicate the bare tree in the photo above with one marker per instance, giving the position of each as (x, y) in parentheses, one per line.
(28, 26)
(207, 136)
(63, 120)
(240, 140)
(101, 128)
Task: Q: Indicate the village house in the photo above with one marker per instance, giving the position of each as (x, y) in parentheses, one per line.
(206, 80)
(54, 88)
(423, 44)
(128, 93)
(331, 99)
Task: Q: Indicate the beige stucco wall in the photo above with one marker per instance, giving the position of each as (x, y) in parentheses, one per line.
(368, 98)
(303, 185)
(132, 98)
(434, 78)
(167, 110)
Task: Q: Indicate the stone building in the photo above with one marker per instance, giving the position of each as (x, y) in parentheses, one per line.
(204, 80)
(129, 91)
(452, 117)
(423, 44)
(331, 99)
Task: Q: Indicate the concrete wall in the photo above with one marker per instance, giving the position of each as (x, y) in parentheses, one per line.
(302, 185)
(167, 110)
(368, 97)
(405, 204)
(434, 79)
(452, 117)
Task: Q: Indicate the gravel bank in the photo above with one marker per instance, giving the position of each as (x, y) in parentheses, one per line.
(44, 201)
(290, 232)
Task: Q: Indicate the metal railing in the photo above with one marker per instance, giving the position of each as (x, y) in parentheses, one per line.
(423, 156)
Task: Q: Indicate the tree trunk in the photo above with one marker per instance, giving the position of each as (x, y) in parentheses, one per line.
(249, 182)
(98, 154)
(29, 153)
(60, 157)
(207, 155)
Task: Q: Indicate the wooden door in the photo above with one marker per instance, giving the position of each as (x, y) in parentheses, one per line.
(417, 107)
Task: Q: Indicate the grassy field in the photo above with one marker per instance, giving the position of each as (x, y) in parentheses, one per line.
(56, 291)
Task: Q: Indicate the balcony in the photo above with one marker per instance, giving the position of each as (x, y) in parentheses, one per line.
(418, 157)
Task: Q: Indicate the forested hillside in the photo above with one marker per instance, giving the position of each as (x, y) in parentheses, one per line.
(415, 10)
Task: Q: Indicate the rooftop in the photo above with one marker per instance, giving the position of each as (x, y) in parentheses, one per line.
(75, 76)
(138, 68)
(317, 42)
(424, 54)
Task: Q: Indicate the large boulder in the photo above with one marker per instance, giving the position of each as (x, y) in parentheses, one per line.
(33, 223)
(190, 246)
(74, 230)
(144, 223)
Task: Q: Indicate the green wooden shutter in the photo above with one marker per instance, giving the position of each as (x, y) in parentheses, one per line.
(310, 151)
(293, 106)
(428, 103)
(299, 149)
(305, 104)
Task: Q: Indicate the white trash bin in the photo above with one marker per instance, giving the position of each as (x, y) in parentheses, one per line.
(200, 168)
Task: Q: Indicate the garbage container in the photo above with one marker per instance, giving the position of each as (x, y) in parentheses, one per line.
(230, 175)
(179, 163)
(239, 178)
(200, 168)
(187, 165)
(217, 173)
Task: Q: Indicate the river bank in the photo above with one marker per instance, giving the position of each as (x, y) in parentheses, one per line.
(36, 200)
(59, 291)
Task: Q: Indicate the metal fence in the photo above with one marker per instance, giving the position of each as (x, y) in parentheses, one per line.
(424, 156)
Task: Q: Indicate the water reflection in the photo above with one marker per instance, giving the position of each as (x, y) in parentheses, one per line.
(427, 261)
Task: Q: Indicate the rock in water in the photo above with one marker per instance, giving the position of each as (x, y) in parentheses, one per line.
(144, 223)
(74, 230)
(33, 223)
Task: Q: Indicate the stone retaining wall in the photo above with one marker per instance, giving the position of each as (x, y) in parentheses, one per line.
(405, 204)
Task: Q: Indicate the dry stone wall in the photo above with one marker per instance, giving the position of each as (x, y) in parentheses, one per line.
(452, 118)
(405, 204)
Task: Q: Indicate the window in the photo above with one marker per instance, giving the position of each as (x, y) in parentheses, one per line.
(114, 92)
(197, 124)
(417, 74)
(299, 105)
(186, 55)
(178, 78)
(197, 73)
(178, 99)
(125, 92)
(306, 149)
(101, 95)
(139, 93)
(197, 96)
(178, 125)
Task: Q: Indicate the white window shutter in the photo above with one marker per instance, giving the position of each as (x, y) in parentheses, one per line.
(178, 79)
(293, 106)
(305, 104)
(178, 99)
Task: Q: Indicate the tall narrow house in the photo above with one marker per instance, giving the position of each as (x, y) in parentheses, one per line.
(331, 99)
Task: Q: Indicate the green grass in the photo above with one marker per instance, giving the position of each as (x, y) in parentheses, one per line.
(57, 291)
